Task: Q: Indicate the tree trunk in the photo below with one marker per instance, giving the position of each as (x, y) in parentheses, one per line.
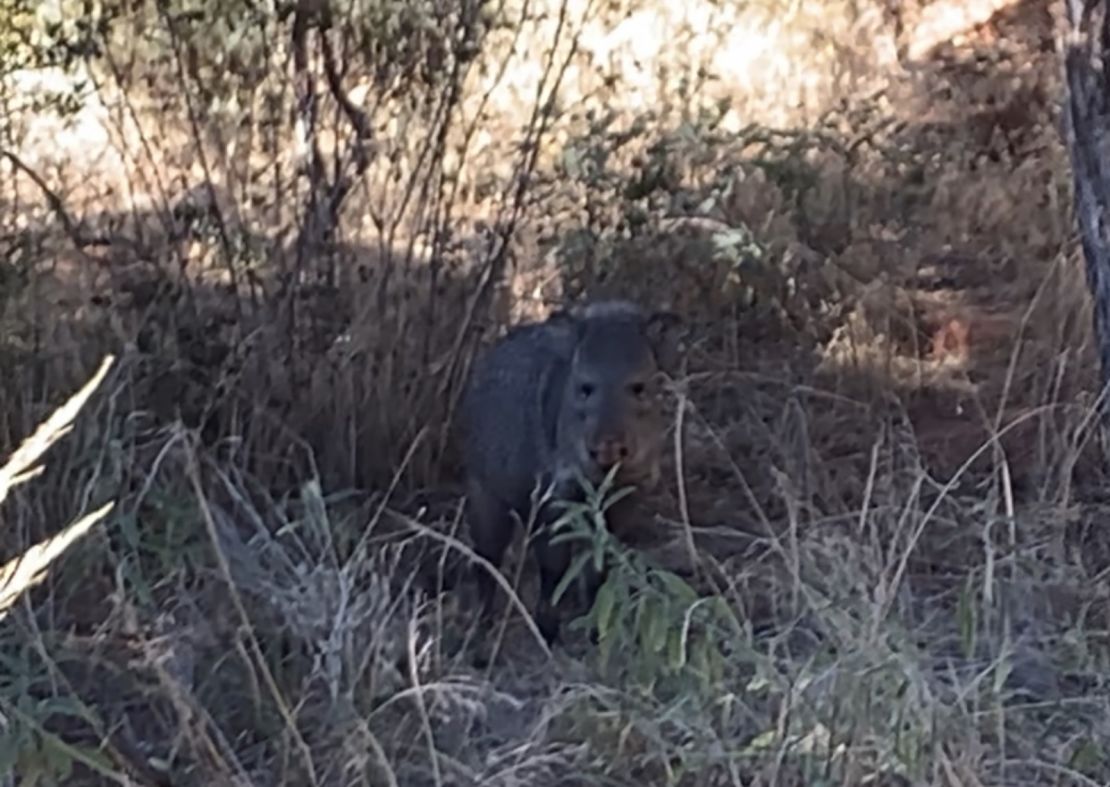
(1087, 70)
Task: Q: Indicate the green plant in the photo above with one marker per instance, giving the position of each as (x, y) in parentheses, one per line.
(677, 636)
(28, 705)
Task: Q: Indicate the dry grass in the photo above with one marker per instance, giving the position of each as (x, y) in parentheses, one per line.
(23, 572)
(878, 558)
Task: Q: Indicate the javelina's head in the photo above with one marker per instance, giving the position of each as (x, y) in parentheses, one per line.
(610, 409)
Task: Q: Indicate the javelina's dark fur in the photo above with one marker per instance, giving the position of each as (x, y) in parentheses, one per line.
(578, 391)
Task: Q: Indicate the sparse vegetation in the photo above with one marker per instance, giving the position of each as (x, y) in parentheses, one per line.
(878, 557)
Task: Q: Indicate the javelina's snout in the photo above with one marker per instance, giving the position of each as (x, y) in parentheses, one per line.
(607, 450)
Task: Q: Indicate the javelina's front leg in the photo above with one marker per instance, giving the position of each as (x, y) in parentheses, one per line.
(491, 526)
(553, 560)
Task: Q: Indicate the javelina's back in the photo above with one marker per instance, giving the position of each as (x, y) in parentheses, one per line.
(510, 406)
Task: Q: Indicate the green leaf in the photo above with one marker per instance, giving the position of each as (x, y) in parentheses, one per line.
(1001, 672)
(677, 587)
(94, 759)
(605, 647)
(64, 706)
(57, 759)
(568, 536)
(676, 649)
(723, 612)
(607, 482)
(617, 496)
(11, 745)
(571, 574)
(133, 574)
(654, 631)
(604, 605)
(574, 514)
(1088, 757)
(129, 530)
(601, 545)
(14, 665)
(29, 764)
(699, 660)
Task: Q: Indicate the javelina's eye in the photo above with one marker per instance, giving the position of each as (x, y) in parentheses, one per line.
(638, 389)
(586, 390)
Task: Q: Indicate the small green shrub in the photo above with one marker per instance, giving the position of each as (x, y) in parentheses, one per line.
(673, 640)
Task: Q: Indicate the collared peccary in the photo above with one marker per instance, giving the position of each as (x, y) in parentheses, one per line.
(576, 392)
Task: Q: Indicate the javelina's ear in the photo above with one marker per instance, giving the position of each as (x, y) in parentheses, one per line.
(664, 330)
(559, 316)
(565, 319)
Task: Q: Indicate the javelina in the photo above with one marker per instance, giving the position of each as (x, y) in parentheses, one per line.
(577, 392)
